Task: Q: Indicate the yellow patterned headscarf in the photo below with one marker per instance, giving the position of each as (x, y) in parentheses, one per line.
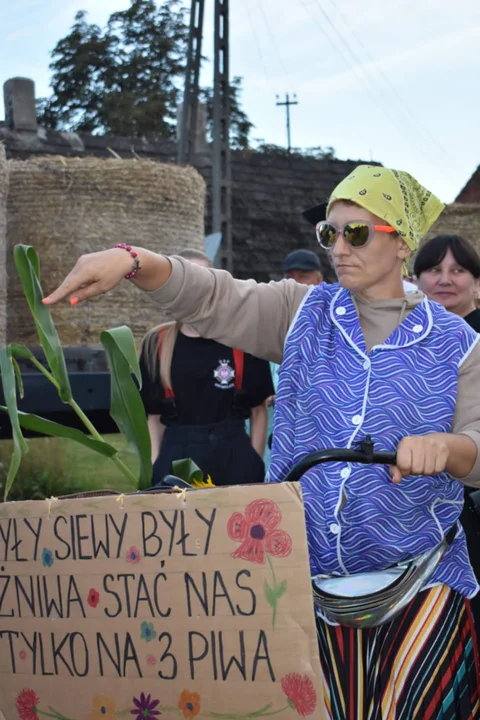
(394, 196)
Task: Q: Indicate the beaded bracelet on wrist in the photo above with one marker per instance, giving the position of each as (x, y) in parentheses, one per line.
(136, 262)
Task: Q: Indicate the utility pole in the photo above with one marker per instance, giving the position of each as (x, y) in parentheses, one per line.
(186, 145)
(221, 181)
(287, 104)
(221, 173)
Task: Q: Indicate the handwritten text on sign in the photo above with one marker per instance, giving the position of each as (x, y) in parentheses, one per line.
(181, 606)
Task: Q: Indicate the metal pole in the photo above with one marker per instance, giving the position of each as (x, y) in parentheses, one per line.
(221, 181)
(288, 124)
(186, 144)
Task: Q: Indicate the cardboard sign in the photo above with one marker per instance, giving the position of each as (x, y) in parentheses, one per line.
(178, 605)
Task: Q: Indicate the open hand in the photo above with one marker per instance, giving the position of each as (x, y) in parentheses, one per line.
(420, 455)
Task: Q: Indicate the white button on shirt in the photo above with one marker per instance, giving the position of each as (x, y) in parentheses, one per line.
(357, 419)
(366, 364)
(341, 310)
(345, 473)
(334, 528)
(417, 328)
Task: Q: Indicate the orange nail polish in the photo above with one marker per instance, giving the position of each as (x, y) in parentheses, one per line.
(45, 301)
(73, 301)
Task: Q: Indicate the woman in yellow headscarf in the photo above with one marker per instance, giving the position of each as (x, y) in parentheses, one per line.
(359, 360)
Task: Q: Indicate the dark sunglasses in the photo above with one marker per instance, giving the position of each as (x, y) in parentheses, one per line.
(356, 233)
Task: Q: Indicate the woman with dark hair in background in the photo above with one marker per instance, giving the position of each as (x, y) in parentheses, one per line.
(448, 271)
(197, 394)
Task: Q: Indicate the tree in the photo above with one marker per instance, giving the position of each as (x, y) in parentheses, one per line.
(240, 125)
(122, 79)
(127, 78)
(79, 65)
(316, 153)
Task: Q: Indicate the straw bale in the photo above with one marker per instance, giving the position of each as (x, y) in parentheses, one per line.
(66, 207)
(3, 244)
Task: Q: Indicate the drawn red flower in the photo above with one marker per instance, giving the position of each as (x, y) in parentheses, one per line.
(151, 660)
(93, 598)
(22, 655)
(300, 693)
(26, 702)
(258, 533)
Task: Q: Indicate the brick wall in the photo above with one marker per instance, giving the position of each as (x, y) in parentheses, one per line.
(269, 192)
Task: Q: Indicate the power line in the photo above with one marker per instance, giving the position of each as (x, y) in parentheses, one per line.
(361, 69)
(259, 47)
(357, 72)
(273, 41)
(403, 105)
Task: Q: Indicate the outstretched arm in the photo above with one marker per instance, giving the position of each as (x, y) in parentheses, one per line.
(99, 272)
(251, 316)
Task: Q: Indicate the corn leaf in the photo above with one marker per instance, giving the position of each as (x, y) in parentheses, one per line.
(10, 394)
(189, 471)
(21, 351)
(40, 425)
(126, 406)
(27, 264)
(19, 378)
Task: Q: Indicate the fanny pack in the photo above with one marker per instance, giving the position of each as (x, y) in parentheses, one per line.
(366, 600)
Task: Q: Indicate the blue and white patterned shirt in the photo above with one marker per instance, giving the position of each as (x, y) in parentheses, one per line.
(333, 393)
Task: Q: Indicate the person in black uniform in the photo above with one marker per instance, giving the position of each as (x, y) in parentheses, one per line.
(447, 269)
(197, 395)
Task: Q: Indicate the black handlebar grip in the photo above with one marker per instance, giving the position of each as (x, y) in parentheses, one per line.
(338, 455)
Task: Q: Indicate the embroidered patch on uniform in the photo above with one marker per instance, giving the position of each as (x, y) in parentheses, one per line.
(224, 374)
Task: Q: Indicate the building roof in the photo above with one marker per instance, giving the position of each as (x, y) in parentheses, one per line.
(471, 192)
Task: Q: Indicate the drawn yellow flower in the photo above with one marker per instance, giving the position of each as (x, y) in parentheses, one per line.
(103, 708)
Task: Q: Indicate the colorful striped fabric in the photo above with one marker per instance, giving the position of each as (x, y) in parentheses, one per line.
(422, 666)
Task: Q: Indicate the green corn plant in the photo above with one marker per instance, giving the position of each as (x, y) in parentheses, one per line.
(126, 405)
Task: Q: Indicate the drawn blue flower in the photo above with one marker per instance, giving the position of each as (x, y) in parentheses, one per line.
(147, 631)
(47, 557)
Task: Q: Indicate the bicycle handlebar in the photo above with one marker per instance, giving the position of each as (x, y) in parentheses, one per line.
(365, 455)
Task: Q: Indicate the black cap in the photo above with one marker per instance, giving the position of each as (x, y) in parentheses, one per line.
(301, 260)
(315, 214)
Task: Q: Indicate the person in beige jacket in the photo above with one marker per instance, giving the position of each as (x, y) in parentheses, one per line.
(358, 358)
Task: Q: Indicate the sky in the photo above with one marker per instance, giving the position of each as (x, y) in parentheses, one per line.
(395, 82)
